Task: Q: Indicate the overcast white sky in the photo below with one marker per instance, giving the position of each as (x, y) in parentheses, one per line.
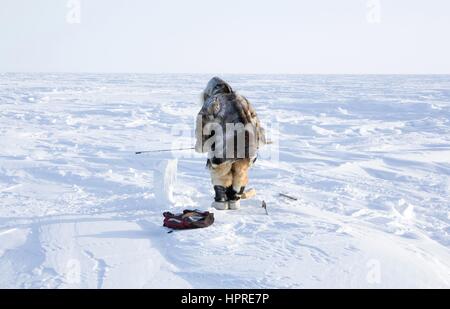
(232, 36)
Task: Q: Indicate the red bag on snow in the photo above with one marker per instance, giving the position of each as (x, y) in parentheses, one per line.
(189, 219)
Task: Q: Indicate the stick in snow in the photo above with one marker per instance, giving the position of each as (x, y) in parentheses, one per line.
(264, 205)
(289, 197)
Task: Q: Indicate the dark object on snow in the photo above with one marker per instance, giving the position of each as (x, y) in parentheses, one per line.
(264, 205)
(289, 197)
(189, 219)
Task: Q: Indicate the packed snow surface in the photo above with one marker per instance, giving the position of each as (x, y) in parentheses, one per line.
(366, 157)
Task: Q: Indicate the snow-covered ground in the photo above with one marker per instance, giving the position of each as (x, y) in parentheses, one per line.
(368, 158)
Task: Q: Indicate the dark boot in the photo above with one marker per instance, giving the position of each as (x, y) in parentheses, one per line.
(234, 197)
(221, 198)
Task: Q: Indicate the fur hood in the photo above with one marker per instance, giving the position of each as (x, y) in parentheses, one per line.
(216, 86)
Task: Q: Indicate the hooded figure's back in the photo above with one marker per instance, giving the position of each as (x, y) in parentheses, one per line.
(226, 111)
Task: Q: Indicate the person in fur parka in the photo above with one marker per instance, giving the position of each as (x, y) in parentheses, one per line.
(229, 130)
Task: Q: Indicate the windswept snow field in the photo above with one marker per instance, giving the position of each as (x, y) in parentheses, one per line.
(368, 158)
